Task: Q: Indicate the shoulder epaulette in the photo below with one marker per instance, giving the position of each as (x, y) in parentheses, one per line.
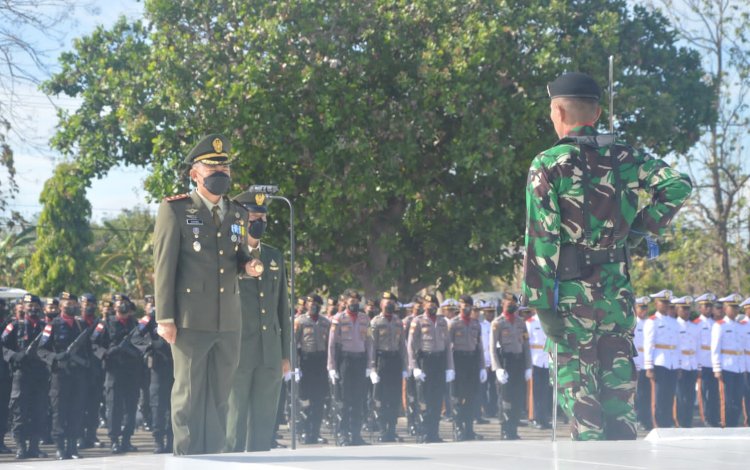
(720, 322)
(696, 321)
(177, 197)
(652, 317)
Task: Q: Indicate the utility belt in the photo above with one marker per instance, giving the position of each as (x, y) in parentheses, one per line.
(575, 258)
(353, 355)
(423, 356)
(313, 354)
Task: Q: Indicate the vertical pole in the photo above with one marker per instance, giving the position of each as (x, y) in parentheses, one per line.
(611, 94)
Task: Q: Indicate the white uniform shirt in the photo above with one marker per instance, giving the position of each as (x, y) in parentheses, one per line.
(537, 340)
(728, 346)
(486, 341)
(638, 343)
(704, 325)
(660, 343)
(689, 344)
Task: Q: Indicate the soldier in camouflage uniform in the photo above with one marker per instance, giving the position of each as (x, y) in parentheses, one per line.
(582, 204)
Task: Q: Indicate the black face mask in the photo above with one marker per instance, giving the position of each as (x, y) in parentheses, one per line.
(217, 183)
(390, 309)
(123, 309)
(32, 313)
(257, 228)
(90, 310)
(315, 309)
(52, 313)
(71, 310)
(466, 311)
(511, 309)
(354, 308)
(432, 311)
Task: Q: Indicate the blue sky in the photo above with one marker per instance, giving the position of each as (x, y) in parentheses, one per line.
(35, 119)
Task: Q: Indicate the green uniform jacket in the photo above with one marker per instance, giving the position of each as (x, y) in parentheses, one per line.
(266, 326)
(196, 264)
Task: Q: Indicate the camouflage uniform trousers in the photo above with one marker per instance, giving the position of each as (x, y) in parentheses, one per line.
(596, 378)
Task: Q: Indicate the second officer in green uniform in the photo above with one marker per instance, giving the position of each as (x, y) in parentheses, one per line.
(266, 336)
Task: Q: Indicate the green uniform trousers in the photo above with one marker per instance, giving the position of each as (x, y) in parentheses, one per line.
(255, 397)
(204, 366)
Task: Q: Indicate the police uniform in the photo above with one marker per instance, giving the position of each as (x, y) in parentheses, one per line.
(468, 358)
(727, 358)
(114, 343)
(689, 345)
(198, 253)
(583, 210)
(28, 398)
(431, 362)
(161, 378)
(643, 384)
(64, 347)
(349, 355)
(662, 355)
(388, 365)
(541, 388)
(412, 407)
(311, 332)
(708, 385)
(510, 353)
(94, 377)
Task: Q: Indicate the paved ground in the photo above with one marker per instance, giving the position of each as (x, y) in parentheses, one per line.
(142, 439)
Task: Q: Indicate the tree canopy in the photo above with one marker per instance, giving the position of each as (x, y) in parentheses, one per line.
(401, 130)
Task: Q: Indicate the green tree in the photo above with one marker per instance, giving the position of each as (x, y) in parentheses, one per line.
(123, 250)
(16, 247)
(401, 130)
(62, 259)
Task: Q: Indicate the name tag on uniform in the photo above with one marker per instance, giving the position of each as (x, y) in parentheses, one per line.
(459, 333)
(345, 328)
(505, 332)
(192, 220)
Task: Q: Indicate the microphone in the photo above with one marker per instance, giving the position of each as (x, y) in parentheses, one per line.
(267, 189)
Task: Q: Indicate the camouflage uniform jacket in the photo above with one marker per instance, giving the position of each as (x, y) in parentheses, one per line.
(557, 182)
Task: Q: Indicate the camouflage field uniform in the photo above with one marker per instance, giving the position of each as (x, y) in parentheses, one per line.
(586, 174)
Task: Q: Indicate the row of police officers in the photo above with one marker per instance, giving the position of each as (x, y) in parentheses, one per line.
(683, 359)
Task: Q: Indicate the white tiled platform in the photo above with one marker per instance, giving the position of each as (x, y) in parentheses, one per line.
(689, 449)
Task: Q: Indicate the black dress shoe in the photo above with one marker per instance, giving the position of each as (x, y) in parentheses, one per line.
(116, 447)
(321, 440)
(60, 454)
(277, 445)
(358, 441)
(21, 453)
(126, 446)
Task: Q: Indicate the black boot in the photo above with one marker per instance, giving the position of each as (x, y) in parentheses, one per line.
(159, 445)
(73, 449)
(60, 450)
(21, 452)
(116, 446)
(34, 451)
(127, 446)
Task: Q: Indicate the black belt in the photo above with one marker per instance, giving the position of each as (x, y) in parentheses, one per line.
(464, 353)
(313, 354)
(574, 258)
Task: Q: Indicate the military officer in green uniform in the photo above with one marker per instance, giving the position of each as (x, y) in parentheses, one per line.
(266, 339)
(198, 251)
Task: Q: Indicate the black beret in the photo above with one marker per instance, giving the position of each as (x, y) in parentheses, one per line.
(52, 301)
(211, 150)
(68, 296)
(315, 298)
(253, 202)
(466, 299)
(32, 299)
(90, 298)
(574, 85)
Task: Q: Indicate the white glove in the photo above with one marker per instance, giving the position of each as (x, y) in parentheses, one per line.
(333, 375)
(502, 376)
(297, 375)
(288, 376)
(450, 375)
(367, 372)
(527, 375)
(374, 377)
(418, 374)
(482, 375)
(404, 374)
